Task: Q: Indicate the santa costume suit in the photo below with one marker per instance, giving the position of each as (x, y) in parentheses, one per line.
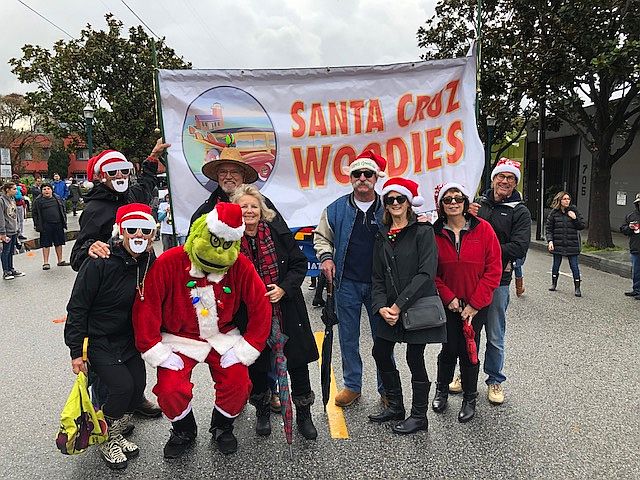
(189, 312)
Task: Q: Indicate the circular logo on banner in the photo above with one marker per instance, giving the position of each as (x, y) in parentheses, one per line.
(222, 113)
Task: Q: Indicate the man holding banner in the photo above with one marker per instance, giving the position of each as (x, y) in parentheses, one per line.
(343, 241)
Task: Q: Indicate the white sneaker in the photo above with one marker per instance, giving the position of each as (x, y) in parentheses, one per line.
(495, 394)
(456, 385)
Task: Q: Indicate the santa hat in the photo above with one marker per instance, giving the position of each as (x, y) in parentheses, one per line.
(133, 215)
(407, 187)
(225, 221)
(506, 165)
(370, 161)
(105, 160)
(443, 188)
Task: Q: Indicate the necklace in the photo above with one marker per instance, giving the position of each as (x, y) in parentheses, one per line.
(139, 284)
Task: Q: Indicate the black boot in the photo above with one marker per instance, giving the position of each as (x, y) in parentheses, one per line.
(418, 419)
(469, 377)
(222, 430)
(441, 399)
(554, 283)
(576, 284)
(183, 434)
(303, 415)
(468, 409)
(262, 402)
(393, 394)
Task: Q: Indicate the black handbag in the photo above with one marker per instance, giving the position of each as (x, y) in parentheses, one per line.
(425, 312)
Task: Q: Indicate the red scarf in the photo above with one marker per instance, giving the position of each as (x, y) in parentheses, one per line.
(267, 262)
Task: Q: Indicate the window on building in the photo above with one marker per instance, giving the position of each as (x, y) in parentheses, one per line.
(82, 154)
(46, 153)
(26, 154)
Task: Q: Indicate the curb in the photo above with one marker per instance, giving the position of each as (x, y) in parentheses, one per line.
(607, 265)
(34, 243)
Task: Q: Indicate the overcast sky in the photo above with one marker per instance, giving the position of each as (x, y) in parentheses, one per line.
(232, 33)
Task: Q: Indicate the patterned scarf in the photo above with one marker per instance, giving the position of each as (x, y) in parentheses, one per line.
(267, 262)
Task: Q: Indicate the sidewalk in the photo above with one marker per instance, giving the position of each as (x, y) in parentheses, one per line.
(617, 263)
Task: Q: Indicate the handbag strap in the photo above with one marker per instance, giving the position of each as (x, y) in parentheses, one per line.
(389, 271)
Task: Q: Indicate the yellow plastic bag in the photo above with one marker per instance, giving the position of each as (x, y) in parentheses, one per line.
(80, 424)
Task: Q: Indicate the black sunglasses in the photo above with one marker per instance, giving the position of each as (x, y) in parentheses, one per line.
(400, 199)
(113, 173)
(366, 173)
(449, 200)
(132, 231)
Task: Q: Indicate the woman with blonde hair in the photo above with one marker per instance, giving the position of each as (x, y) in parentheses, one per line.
(282, 266)
(562, 231)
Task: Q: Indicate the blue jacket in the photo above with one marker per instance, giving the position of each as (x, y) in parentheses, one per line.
(333, 232)
(61, 189)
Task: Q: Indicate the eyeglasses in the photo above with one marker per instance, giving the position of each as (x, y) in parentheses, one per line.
(114, 173)
(450, 200)
(502, 177)
(133, 231)
(224, 173)
(358, 173)
(400, 199)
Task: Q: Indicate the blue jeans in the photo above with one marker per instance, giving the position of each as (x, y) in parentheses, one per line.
(573, 264)
(7, 252)
(350, 298)
(635, 271)
(495, 328)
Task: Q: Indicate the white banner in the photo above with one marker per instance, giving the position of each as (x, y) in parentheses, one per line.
(301, 128)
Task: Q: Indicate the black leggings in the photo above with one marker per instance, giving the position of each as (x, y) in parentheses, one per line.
(383, 355)
(125, 383)
(300, 382)
(456, 345)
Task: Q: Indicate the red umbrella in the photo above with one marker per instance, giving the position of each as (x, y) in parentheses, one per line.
(470, 338)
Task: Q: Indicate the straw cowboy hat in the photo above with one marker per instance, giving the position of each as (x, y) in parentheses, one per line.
(230, 154)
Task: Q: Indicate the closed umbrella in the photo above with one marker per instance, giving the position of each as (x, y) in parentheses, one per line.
(329, 318)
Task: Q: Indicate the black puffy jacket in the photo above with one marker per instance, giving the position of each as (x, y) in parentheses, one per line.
(100, 306)
(563, 231)
(511, 221)
(101, 204)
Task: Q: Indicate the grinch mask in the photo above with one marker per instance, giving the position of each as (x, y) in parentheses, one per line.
(208, 252)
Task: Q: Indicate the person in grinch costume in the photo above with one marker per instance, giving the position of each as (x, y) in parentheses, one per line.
(186, 318)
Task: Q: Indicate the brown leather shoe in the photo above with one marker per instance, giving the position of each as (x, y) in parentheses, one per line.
(346, 397)
(519, 286)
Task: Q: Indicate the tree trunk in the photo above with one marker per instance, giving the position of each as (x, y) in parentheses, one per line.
(599, 221)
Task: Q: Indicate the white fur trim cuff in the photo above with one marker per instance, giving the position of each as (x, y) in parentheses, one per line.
(157, 354)
(182, 415)
(245, 352)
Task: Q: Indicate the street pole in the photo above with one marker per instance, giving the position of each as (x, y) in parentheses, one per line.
(541, 142)
(88, 113)
(486, 177)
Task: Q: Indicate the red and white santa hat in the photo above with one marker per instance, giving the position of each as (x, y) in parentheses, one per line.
(506, 165)
(133, 215)
(442, 188)
(225, 221)
(106, 160)
(406, 187)
(369, 160)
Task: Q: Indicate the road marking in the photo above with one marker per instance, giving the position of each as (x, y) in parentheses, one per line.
(335, 415)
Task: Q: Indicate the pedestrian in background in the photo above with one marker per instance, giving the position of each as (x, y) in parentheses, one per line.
(166, 224)
(405, 260)
(631, 228)
(21, 204)
(343, 241)
(8, 230)
(562, 232)
(50, 220)
(469, 270)
(74, 195)
(60, 188)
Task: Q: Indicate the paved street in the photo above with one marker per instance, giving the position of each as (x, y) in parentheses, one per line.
(571, 408)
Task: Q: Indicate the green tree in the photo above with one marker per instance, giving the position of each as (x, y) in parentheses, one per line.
(582, 58)
(58, 162)
(102, 68)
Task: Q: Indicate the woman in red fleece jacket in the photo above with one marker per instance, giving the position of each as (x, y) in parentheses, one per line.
(469, 270)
